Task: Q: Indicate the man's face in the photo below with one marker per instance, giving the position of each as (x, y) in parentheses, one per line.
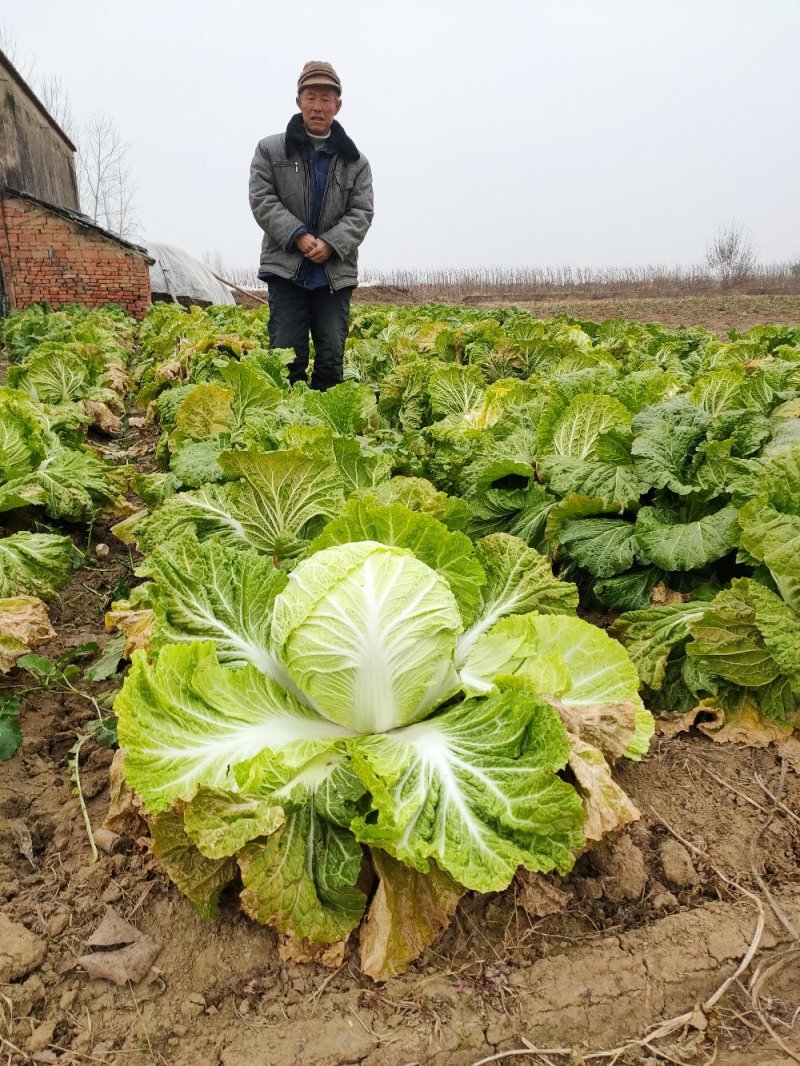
(319, 107)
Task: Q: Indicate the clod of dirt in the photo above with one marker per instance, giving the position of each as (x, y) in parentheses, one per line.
(661, 899)
(677, 864)
(538, 897)
(623, 868)
(112, 893)
(193, 1006)
(23, 997)
(337, 1040)
(20, 950)
(9, 883)
(588, 888)
(58, 923)
(42, 1036)
(67, 998)
(95, 877)
(438, 990)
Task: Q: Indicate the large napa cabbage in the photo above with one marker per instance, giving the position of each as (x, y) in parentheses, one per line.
(401, 688)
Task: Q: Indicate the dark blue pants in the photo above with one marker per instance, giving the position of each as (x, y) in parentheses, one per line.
(294, 312)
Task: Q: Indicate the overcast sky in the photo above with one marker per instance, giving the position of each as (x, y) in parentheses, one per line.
(504, 133)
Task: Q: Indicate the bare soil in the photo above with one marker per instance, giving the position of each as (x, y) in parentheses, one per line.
(719, 313)
(653, 924)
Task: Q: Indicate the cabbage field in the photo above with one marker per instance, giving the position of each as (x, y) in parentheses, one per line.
(345, 666)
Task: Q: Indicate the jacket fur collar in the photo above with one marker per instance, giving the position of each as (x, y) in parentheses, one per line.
(297, 139)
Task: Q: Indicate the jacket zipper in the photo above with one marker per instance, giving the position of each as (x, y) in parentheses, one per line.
(305, 204)
(331, 174)
(328, 180)
(306, 184)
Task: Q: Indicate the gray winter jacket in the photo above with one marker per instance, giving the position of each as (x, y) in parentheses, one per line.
(280, 200)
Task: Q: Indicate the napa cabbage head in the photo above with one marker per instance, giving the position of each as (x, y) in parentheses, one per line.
(368, 633)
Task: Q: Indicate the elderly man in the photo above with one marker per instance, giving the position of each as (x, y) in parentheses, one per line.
(311, 193)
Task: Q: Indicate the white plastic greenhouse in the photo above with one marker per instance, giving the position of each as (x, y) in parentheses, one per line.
(178, 277)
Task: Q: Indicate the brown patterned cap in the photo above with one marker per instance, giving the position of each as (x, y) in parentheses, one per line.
(318, 73)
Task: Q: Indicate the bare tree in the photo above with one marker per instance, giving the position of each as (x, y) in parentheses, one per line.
(106, 187)
(215, 262)
(50, 90)
(56, 99)
(244, 276)
(247, 277)
(8, 44)
(730, 254)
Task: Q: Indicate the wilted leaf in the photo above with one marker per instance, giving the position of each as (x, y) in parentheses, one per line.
(605, 804)
(293, 949)
(408, 912)
(103, 418)
(23, 624)
(108, 663)
(676, 723)
(609, 726)
(132, 954)
(21, 835)
(135, 624)
(125, 810)
(10, 732)
(113, 931)
(219, 822)
(742, 724)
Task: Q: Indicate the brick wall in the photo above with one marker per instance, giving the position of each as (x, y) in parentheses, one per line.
(46, 256)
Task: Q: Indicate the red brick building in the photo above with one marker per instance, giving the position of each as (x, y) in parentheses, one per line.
(58, 256)
(49, 251)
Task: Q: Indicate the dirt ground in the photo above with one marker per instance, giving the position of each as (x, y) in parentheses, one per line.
(703, 890)
(719, 313)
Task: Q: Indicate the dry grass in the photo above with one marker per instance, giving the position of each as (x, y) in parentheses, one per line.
(583, 283)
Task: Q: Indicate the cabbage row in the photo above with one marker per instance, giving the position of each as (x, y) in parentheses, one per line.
(65, 373)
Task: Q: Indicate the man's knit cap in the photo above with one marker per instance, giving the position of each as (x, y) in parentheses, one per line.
(320, 75)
